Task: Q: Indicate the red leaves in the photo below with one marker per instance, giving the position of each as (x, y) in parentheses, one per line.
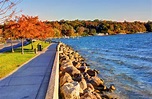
(29, 27)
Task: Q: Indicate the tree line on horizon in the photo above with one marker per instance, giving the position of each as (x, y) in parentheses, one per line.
(88, 27)
(31, 27)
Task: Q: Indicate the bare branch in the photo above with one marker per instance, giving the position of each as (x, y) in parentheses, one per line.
(7, 9)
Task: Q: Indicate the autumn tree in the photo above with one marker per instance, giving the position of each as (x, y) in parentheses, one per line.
(9, 32)
(26, 28)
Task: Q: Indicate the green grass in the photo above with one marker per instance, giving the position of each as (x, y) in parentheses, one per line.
(10, 61)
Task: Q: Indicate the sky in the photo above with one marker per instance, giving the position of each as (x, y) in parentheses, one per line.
(114, 10)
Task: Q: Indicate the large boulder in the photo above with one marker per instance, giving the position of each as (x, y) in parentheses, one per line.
(90, 87)
(68, 62)
(83, 84)
(83, 69)
(86, 77)
(70, 90)
(77, 77)
(76, 64)
(96, 81)
(71, 70)
(92, 72)
(65, 78)
(88, 95)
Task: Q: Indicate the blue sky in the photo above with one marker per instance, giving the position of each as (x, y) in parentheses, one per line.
(116, 10)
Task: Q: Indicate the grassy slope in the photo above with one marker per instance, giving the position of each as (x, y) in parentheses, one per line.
(10, 61)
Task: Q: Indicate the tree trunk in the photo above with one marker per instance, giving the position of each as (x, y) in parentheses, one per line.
(22, 46)
(31, 44)
(12, 46)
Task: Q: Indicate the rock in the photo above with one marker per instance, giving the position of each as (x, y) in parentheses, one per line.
(83, 84)
(97, 95)
(65, 78)
(86, 77)
(62, 58)
(88, 95)
(112, 87)
(110, 96)
(90, 87)
(77, 77)
(82, 69)
(66, 62)
(71, 70)
(96, 81)
(102, 87)
(97, 71)
(70, 90)
(83, 64)
(76, 64)
(91, 72)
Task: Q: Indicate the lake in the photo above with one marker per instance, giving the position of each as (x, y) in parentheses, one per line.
(123, 60)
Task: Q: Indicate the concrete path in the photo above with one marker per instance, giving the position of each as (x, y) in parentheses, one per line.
(31, 80)
(8, 47)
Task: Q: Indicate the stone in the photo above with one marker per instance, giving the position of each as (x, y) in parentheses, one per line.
(97, 71)
(68, 61)
(71, 70)
(112, 87)
(96, 81)
(91, 72)
(65, 78)
(76, 64)
(70, 90)
(90, 87)
(83, 84)
(102, 88)
(86, 77)
(77, 77)
(82, 69)
(97, 95)
(88, 95)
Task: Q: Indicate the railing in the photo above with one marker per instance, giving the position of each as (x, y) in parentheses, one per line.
(53, 87)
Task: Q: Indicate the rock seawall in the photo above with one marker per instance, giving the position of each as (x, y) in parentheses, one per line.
(77, 80)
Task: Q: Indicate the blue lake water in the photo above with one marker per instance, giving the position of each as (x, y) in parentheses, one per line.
(123, 60)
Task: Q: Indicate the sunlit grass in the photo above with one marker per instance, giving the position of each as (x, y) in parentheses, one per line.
(10, 61)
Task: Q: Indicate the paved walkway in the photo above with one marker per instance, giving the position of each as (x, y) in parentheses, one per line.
(8, 46)
(31, 80)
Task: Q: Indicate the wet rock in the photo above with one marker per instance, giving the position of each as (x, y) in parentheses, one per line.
(112, 88)
(70, 90)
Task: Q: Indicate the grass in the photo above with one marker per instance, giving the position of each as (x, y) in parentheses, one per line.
(10, 61)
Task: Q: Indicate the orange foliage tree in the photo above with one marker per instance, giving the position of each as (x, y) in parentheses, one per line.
(30, 27)
(9, 31)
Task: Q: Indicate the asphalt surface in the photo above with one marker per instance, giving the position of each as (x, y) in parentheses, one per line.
(32, 79)
(8, 47)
